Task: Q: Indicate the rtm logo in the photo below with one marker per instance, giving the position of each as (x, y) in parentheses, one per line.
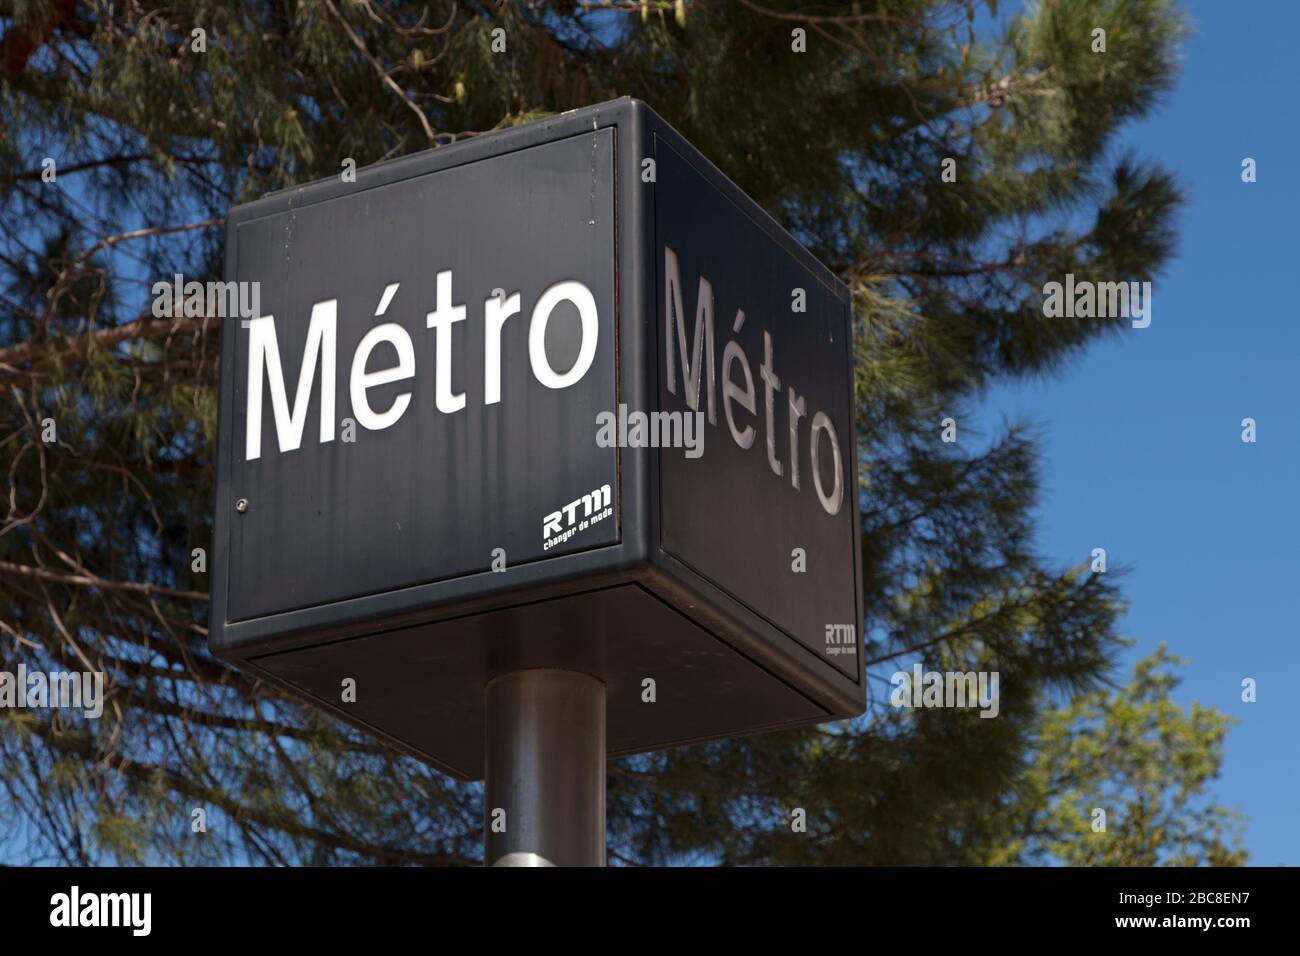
(562, 525)
(841, 639)
(322, 334)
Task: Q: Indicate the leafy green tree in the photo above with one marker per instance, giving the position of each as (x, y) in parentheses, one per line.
(1142, 759)
(155, 129)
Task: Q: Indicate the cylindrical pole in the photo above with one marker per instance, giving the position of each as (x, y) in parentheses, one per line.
(545, 789)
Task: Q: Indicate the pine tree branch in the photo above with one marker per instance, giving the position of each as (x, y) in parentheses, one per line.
(102, 584)
(83, 343)
(383, 74)
(82, 745)
(32, 175)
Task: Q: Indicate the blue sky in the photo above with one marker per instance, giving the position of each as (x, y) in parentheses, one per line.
(1142, 437)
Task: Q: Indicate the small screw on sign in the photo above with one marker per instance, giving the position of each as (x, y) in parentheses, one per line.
(241, 505)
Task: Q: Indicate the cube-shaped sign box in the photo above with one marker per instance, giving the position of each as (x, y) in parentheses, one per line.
(558, 396)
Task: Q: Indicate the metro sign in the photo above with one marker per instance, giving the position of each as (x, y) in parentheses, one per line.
(420, 432)
(322, 337)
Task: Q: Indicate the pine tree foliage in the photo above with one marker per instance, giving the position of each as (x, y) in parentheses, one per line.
(158, 117)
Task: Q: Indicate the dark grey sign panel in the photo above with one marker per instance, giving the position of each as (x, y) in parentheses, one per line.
(770, 492)
(442, 467)
(415, 488)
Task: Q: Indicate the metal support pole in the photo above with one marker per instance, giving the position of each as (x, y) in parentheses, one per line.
(545, 770)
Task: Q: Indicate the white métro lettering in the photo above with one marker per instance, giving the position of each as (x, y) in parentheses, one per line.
(264, 353)
(265, 370)
(699, 368)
